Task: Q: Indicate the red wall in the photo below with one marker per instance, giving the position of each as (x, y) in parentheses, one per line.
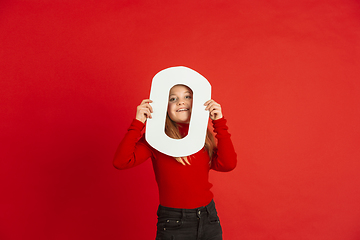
(287, 76)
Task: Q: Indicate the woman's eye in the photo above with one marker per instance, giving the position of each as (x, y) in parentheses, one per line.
(189, 97)
(172, 99)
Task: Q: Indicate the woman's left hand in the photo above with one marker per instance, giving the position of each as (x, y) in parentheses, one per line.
(214, 108)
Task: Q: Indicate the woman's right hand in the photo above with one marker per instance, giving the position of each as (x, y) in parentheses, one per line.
(144, 110)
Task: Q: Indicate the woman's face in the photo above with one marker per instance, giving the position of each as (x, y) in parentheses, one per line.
(180, 104)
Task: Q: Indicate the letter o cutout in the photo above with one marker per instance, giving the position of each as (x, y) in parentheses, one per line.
(155, 134)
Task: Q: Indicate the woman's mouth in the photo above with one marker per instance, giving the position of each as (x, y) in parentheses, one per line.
(182, 110)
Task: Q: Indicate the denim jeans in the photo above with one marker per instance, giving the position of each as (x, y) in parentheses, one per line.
(188, 224)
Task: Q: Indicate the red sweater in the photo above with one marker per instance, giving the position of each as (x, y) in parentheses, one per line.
(179, 186)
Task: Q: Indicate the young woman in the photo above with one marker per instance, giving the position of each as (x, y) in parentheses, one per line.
(187, 210)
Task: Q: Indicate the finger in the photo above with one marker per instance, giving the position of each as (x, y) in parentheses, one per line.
(208, 105)
(210, 101)
(216, 112)
(146, 101)
(207, 102)
(215, 107)
(148, 106)
(212, 106)
(146, 112)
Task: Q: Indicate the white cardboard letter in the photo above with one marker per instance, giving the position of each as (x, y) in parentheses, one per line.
(155, 135)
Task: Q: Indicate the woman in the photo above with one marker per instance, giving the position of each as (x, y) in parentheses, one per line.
(186, 210)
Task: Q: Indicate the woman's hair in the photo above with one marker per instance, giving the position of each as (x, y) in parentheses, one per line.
(172, 130)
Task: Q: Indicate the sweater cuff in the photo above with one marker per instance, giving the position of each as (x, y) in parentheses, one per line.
(219, 122)
(220, 128)
(136, 125)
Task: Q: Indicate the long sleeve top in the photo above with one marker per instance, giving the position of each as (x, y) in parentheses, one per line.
(180, 186)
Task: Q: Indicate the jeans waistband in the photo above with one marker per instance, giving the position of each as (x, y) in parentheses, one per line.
(183, 211)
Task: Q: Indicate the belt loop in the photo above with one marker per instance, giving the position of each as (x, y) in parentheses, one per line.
(209, 206)
(207, 209)
(183, 213)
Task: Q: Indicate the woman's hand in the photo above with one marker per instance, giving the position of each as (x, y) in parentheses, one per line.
(214, 108)
(144, 110)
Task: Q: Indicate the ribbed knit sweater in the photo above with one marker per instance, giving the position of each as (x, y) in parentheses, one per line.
(179, 186)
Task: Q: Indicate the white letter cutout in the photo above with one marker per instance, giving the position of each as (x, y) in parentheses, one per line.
(155, 135)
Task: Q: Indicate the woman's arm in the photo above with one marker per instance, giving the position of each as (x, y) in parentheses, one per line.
(224, 158)
(132, 151)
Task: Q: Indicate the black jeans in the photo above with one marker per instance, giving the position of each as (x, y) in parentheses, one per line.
(188, 224)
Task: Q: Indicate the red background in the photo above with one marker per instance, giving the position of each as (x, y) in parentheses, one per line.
(285, 72)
